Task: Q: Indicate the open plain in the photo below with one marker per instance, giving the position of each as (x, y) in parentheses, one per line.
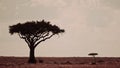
(60, 62)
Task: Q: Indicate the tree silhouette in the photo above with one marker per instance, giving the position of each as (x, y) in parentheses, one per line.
(94, 59)
(34, 32)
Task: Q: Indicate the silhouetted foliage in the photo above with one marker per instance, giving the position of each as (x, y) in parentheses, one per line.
(35, 32)
(93, 54)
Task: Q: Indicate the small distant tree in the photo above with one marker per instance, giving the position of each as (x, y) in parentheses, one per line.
(94, 59)
(35, 32)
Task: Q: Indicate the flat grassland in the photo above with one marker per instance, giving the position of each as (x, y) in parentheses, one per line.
(60, 62)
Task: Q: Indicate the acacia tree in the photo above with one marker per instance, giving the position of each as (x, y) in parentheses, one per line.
(94, 59)
(34, 32)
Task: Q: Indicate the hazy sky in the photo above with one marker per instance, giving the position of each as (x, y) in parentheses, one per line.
(91, 26)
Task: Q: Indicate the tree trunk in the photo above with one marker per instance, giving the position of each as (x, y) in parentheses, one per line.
(94, 60)
(32, 56)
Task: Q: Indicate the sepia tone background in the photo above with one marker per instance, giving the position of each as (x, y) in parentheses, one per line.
(91, 26)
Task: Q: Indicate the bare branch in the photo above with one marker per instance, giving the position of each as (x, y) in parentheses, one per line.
(45, 34)
(27, 42)
(25, 38)
(43, 40)
(22, 37)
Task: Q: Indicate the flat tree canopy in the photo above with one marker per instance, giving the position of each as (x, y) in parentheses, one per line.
(93, 54)
(34, 31)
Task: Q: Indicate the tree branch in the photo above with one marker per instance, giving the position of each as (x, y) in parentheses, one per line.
(41, 36)
(21, 36)
(25, 38)
(43, 40)
(27, 42)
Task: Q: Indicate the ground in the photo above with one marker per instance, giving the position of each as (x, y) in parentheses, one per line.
(60, 62)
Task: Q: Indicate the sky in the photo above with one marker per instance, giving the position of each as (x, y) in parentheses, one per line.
(90, 26)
